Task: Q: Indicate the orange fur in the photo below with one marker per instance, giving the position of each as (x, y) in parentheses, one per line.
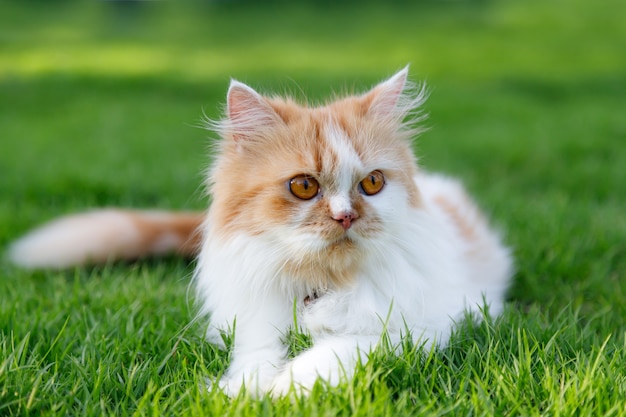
(174, 232)
(466, 228)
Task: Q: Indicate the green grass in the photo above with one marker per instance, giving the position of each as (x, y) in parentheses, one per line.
(98, 106)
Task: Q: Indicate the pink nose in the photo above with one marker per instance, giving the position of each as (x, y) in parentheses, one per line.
(346, 218)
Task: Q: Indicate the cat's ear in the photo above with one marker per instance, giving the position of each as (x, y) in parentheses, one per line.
(385, 96)
(394, 97)
(248, 112)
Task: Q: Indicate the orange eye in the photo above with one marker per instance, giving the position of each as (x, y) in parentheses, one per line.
(304, 187)
(373, 183)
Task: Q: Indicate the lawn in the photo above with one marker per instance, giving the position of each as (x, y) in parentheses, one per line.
(100, 106)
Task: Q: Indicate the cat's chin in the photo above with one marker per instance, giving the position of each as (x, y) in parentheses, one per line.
(338, 239)
(344, 250)
(321, 262)
(343, 241)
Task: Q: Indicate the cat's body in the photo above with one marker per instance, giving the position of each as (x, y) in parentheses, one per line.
(324, 210)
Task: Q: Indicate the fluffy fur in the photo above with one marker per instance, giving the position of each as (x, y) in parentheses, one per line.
(415, 256)
(108, 235)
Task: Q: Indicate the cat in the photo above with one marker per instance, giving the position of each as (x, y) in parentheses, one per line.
(321, 211)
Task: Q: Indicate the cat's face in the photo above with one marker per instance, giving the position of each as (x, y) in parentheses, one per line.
(322, 182)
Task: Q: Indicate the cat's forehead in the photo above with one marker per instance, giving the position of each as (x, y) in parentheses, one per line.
(328, 141)
(338, 136)
(341, 110)
(340, 163)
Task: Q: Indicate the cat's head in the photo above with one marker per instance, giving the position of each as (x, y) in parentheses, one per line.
(320, 181)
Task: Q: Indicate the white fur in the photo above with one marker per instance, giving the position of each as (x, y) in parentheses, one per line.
(74, 240)
(340, 201)
(418, 274)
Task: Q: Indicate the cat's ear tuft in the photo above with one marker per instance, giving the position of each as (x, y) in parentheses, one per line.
(247, 111)
(385, 95)
(395, 97)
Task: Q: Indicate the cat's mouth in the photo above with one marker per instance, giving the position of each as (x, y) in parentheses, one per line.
(340, 235)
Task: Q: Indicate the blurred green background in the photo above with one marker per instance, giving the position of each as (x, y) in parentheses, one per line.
(100, 105)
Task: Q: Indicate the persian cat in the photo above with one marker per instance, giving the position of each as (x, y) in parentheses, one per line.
(318, 212)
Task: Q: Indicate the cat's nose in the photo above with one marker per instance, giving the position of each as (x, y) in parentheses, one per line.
(346, 218)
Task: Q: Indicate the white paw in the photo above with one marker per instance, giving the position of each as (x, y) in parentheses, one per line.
(233, 386)
(286, 382)
(227, 385)
(303, 372)
(281, 385)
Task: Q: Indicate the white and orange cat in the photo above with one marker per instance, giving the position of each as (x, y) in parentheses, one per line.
(324, 207)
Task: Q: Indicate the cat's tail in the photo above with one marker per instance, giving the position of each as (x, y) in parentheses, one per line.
(108, 235)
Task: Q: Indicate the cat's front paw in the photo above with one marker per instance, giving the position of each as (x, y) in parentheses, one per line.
(234, 385)
(301, 374)
(333, 360)
(300, 383)
(231, 387)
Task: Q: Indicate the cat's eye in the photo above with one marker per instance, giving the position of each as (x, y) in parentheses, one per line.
(373, 183)
(304, 187)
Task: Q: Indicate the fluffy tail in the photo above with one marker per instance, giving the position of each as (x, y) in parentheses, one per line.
(108, 235)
